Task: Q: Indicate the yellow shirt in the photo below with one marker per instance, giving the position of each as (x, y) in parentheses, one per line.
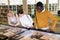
(42, 19)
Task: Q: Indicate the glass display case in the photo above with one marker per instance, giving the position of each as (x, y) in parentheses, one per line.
(19, 33)
(8, 31)
(39, 35)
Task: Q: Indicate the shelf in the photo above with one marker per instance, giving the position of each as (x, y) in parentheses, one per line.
(3, 14)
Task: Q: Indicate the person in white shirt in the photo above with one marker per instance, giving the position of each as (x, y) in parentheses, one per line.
(12, 19)
(25, 19)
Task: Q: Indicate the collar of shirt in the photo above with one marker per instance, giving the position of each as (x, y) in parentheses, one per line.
(43, 10)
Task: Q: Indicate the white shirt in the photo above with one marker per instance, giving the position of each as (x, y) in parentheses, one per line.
(13, 20)
(45, 28)
(26, 20)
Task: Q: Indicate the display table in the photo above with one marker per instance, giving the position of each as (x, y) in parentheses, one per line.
(8, 32)
(16, 33)
(39, 35)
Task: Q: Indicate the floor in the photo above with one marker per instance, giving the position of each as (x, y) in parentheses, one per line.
(57, 29)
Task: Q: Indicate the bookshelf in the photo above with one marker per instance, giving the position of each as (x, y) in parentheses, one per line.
(3, 14)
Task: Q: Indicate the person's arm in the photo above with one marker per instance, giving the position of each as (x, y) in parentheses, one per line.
(54, 21)
(30, 18)
(17, 21)
(9, 22)
(35, 20)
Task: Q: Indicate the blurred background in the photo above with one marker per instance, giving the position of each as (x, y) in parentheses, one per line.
(29, 7)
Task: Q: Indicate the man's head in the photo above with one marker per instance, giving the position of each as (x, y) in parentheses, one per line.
(20, 12)
(39, 6)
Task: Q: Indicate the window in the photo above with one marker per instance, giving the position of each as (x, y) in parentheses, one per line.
(31, 2)
(43, 1)
(3, 2)
(31, 6)
(53, 1)
(16, 2)
(53, 4)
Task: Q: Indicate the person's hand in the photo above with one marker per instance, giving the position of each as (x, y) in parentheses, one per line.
(27, 26)
(49, 30)
(13, 24)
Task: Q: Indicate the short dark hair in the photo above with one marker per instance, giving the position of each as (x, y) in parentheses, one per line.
(39, 4)
(20, 11)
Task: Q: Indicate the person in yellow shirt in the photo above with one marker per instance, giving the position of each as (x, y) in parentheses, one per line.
(42, 18)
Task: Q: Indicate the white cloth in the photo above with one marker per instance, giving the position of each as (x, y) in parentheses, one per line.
(43, 10)
(26, 20)
(45, 28)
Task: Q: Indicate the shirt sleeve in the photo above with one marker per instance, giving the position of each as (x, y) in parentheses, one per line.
(17, 20)
(35, 23)
(9, 22)
(30, 18)
(35, 20)
(54, 21)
